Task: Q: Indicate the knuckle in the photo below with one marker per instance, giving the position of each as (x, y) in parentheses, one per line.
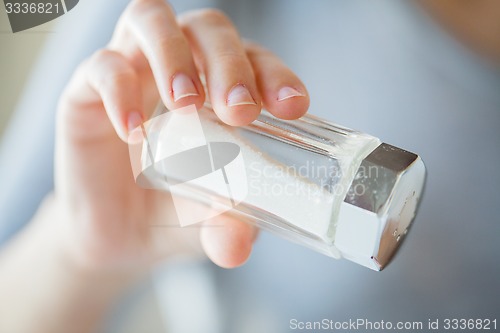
(139, 6)
(165, 43)
(100, 56)
(213, 15)
(106, 69)
(231, 58)
(254, 49)
(147, 9)
(210, 16)
(116, 79)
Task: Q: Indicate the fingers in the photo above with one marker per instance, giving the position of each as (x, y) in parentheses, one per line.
(107, 79)
(236, 77)
(283, 93)
(153, 26)
(227, 241)
(229, 74)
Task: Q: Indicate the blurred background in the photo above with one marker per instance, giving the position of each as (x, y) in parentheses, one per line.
(17, 55)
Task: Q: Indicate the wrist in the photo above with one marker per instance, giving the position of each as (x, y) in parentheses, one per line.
(48, 288)
(55, 224)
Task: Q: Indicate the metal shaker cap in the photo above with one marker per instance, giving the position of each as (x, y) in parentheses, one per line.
(380, 206)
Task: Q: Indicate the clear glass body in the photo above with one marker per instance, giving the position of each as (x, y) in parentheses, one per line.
(297, 172)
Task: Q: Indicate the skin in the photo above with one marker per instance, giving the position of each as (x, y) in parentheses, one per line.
(92, 237)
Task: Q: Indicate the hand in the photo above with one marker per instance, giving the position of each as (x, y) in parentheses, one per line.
(105, 217)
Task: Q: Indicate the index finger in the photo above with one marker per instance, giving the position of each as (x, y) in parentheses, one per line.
(152, 26)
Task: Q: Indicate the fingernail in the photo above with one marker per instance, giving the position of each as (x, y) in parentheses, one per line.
(183, 86)
(288, 92)
(239, 95)
(134, 120)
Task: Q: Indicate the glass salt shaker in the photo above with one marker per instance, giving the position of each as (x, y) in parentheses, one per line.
(338, 191)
